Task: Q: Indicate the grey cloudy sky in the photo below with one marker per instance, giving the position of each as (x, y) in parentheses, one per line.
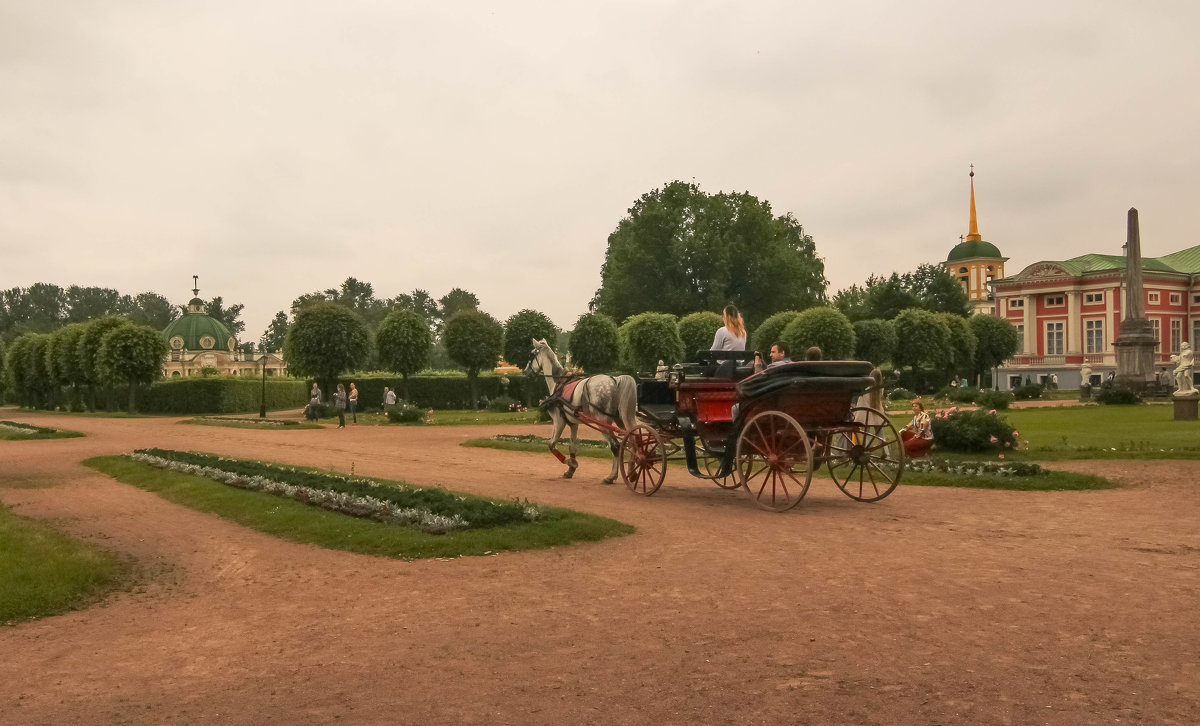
(275, 147)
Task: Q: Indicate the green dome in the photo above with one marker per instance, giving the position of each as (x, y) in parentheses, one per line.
(973, 248)
(194, 330)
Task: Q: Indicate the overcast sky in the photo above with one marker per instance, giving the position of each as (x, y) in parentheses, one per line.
(275, 147)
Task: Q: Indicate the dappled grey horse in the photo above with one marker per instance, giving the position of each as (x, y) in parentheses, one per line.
(608, 399)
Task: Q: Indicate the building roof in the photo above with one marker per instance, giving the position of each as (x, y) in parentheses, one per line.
(194, 327)
(1186, 262)
(973, 248)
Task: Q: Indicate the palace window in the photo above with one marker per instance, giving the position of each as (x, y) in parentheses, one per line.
(1195, 331)
(1093, 298)
(1093, 336)
(1153, 298)
(1156, 326)
(1176, 298)
(1196, 299)
(1021, 336)
(1176, 335)
(1053, 301)
(1016, 302)
(1054, 338)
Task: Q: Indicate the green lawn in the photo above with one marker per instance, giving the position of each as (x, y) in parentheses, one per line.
(45, 572)
(296, 522)
(251, 423)
(7, 434)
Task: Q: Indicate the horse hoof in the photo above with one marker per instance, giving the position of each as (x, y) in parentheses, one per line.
(608, 481)
(568, 474)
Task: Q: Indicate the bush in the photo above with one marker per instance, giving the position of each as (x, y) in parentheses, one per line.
(595, 344)
(1028, 391)
(697, 331)
(1111, 395)
(875, 340)
(771, 330)
(998, 400)
(503, 404)
(441, 392)
(826, 328)
(405, 412)
(959, 394)
(519, 332)
(648, 338)
(901, 394)
(220, 395)
(972, 431)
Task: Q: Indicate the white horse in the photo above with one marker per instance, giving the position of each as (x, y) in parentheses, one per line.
(605, 398)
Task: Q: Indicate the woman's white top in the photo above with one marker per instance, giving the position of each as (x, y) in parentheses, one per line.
(725, 340)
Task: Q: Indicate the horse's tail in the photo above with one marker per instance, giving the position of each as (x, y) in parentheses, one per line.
(626, 400)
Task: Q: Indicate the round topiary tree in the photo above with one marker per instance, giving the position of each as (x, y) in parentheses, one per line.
(960, 343)
(875, 340)
(132, 354)
(63, 362)
(648, 338)
(996, 341)
(474, 340)
(521, 330)
(88, 348)
(921, 339)
(14, 369)
(595, 343)
(403, 341)
(826, 328)
(39, 381)
(697, 331)
(771, 331)
(325, 340)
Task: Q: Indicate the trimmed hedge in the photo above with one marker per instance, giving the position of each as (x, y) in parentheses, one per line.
(220, 395)
(445, 392)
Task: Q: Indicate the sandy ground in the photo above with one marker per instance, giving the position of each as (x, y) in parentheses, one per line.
(934, 606)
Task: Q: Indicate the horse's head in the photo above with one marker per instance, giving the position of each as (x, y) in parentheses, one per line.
(541, 359)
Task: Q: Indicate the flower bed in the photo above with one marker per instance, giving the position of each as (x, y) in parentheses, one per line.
(24, 428)
(543, 441)
(255, 421)
(432, 510)
(975, 468)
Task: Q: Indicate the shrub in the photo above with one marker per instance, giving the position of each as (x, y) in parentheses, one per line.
(875, 340)
(405, 412)
(1028, 391)
(901, 394)
(519, 332)
(595, 344)
(1116, 395)
(133, 355)
(403, 341)
(220, 395)
(648, 338)
(474, 340)
(826, 328)
(326, 339)
(697, 331)
(972, 431)
(445, 391)
(922, 340)
(959, 394)
(503, 404)
(771, 330)
(998, 400)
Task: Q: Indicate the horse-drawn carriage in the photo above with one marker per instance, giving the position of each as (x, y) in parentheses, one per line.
(768, 432)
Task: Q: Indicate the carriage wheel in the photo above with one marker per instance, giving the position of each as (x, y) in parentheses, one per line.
(774, 460)
(643, 460)
(866, 461)
(710, 464)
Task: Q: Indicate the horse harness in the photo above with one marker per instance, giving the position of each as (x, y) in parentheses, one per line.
(564, 390)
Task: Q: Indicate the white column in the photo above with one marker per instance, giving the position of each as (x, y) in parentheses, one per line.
(1030, 325)
(1074, 323)
(1110, 326)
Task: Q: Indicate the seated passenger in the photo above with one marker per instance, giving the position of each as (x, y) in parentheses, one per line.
(813, 353)
(918, 434)
(778, 354)
(731, 335)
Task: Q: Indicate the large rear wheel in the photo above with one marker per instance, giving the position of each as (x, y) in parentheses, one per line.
(774, 460)
(866, 461)
(643, 460)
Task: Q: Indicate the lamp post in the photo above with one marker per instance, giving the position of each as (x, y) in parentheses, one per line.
(262, 409)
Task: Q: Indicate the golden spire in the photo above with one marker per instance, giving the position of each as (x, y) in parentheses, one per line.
(973, 232)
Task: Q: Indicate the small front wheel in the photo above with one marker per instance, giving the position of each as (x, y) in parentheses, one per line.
(643, 458)
(866, 460)
(774, 460)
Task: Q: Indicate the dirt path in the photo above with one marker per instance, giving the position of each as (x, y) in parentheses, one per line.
(935, 606)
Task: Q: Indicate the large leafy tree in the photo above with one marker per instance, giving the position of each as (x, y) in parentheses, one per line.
(132, 355)
(61, 359)
(152, 309)
(937, 290)
(230, 316)
(456, 301)
(523, 328)
(87, 348)
(922, 340)
(680, 249)
(875, 340)
(697, 331)
(15, 370)
(474, 340)
(276, 332)
(647, 338)
(996, 341)
(595, 343)
(826, 328)
(961, 344)
(421, 302)
(325, 340)
(85, 303)
(403, 341)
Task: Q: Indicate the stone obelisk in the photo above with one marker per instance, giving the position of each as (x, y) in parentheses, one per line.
(1135, 345)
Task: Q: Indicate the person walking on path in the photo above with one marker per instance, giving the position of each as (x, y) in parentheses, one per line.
(353, 403)
(339, 400)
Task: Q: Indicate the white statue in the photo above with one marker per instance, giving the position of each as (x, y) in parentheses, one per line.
(1085, 375)
(661, 373)
(1183, 371)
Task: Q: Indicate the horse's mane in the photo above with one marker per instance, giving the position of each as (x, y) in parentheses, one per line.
(556, 368)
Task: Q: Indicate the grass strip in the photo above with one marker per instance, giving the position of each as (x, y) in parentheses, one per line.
(45, 572)
(297, 522)
(537, 445)
(270, 424)
(17, 431)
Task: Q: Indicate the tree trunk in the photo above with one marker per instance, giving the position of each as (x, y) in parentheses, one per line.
(471, 376)
(404, 377)
(132, 397)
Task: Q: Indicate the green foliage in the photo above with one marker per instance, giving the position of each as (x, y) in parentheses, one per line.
(929, 287)
(88, 347)
(325, 340)
(959, 395)
(131, 354)
(474, 340)
(698, 330)
(521, 330)
(875, 340)
(14, 368)
(447, 392)
(771, 331)
(998, 400)
(648, 338)
(825, 327)
(937, 290)
(276, 333)
(504, 404)
(64, 357)
(680, 249)
(1028, 391)
(901, 394)
(971, 431)
(403, 341)
(961, 344)
(921, 340)
(1111, 395)
(220, 395)
(405, 412)
(595, 343)
(996, 341)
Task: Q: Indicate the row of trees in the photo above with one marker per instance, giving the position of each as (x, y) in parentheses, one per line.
(81, 357)
(44, 308)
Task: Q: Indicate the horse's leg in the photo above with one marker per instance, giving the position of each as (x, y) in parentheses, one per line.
(573, 463)
(614, 445)
(560, 421)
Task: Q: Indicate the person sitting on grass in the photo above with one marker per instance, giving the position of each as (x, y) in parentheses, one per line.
(918, 434)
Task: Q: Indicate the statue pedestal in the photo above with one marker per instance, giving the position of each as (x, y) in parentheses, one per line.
(1085, 393)
(1135, 354)
(1186, 406)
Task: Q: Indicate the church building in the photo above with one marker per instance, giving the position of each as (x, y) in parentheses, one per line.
(202, 344)
(976, 263)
